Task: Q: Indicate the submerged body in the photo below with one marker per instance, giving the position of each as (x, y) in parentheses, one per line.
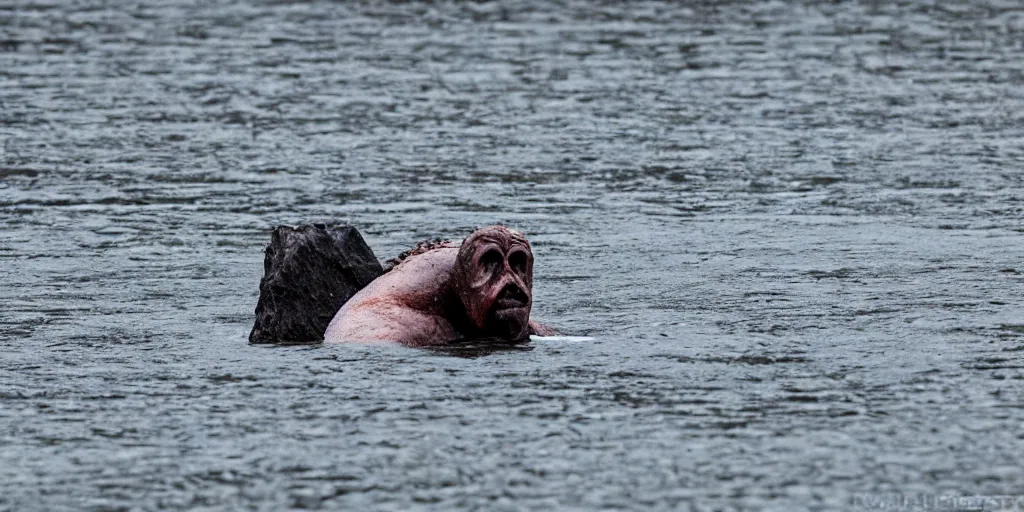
(481, 289)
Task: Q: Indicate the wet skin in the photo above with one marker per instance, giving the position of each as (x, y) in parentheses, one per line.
(479, 290)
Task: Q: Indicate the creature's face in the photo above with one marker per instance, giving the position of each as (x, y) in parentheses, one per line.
(495, 282)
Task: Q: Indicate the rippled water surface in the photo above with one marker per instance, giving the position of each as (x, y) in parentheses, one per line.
(786, 239)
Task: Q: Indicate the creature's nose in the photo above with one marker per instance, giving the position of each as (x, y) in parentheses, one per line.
(512, 294)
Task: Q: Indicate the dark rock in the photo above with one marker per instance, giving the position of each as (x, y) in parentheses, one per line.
(308, 273)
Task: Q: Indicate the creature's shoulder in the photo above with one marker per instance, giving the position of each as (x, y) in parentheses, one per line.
(423, 247)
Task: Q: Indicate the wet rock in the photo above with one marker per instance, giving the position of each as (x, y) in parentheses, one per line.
(308, 273)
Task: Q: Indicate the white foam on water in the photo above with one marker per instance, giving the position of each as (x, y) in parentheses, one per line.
(562, 338)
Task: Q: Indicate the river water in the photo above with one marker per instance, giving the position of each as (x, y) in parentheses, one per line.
(783, 244)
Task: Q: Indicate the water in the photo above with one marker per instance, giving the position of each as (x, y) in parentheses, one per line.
(782, 242)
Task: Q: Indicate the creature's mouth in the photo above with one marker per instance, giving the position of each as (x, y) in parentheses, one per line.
(511, 297)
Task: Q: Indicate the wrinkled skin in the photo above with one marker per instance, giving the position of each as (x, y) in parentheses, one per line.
(481, 289)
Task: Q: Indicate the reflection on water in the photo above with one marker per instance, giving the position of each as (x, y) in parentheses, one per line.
(782, 241)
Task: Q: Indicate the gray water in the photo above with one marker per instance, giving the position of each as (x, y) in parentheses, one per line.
(785, 237)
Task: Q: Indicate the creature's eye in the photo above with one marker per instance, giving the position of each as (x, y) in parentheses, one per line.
(518, 261)
(491, 260)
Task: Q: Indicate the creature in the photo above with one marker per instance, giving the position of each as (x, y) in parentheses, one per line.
(441, 293)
